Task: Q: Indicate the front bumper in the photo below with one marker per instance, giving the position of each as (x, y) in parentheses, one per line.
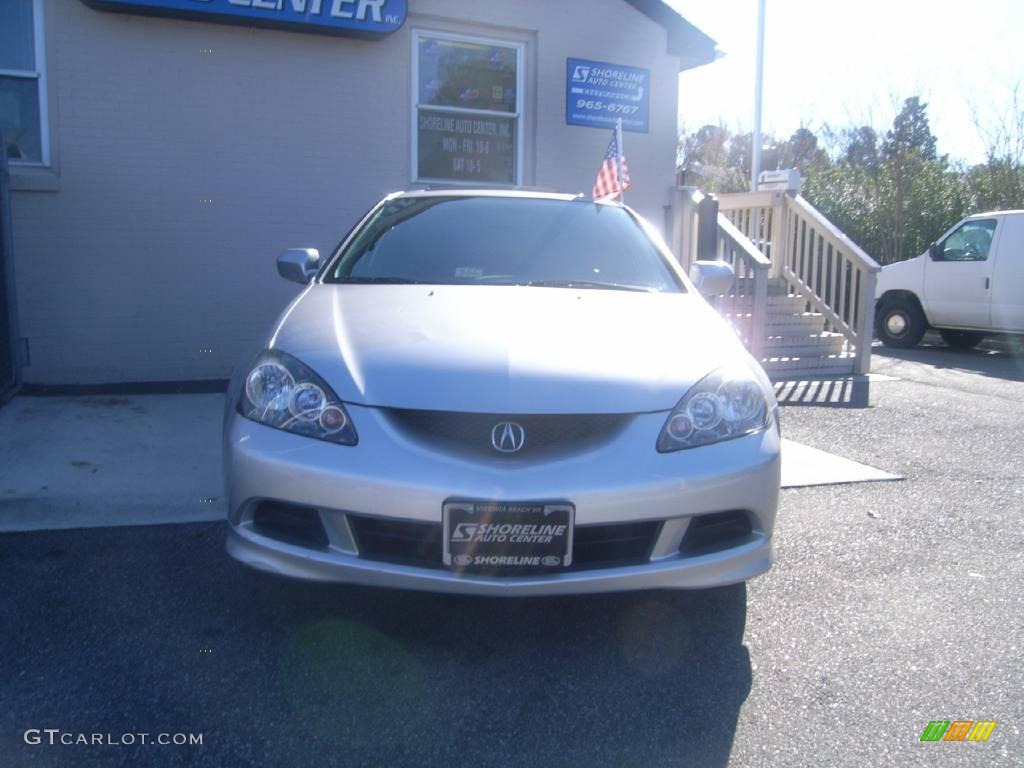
(389, 476)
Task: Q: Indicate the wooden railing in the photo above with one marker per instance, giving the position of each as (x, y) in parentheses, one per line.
(681, 225)
(757, 215)
(815, 259)
(750, 266)
(835, 275)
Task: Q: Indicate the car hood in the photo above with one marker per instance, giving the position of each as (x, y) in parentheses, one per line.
(902, 275)
(506, 349)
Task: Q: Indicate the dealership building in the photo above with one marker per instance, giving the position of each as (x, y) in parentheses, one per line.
(161, 153)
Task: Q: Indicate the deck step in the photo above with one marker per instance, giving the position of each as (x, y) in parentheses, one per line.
(787, 301)
(796, 343)
(825, 365)
(801, 345)
(802, 323)
(775, 285)
(774, 314)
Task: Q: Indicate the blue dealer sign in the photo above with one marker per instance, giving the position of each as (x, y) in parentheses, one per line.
(360, 18)
(598, 94)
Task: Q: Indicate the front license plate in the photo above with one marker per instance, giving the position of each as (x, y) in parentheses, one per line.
(486, 535)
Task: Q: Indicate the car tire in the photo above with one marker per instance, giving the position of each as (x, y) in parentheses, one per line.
(961, 339)
(900, 323)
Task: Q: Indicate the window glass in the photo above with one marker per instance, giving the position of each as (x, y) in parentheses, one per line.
(19, 118)
(970, 242)
(502, 241)
(455, 73)
(19, 84)
(467, 110)
(464, 146)
(17, 43)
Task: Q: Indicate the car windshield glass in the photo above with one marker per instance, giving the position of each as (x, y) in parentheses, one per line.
(504, 241)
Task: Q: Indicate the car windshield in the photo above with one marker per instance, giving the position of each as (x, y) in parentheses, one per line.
(504, 241)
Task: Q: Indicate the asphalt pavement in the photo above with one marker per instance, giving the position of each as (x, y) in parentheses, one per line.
(891, 605)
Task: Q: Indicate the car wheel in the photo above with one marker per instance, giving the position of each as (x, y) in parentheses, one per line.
(961, 339)
(900, 323)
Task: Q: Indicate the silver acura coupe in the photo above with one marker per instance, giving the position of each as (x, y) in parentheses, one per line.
(502, 393)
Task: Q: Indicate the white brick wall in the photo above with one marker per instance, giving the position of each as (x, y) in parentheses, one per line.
(123, 274)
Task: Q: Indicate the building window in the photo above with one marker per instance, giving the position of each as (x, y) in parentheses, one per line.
(22, 82)
(467, 110)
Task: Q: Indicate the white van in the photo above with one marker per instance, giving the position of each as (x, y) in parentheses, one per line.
(968, 284)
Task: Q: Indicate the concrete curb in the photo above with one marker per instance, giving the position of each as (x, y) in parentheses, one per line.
(74, 462)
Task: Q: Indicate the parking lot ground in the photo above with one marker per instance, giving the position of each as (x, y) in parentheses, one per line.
(891, 605)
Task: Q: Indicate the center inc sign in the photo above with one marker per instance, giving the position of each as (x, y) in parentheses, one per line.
(355, 18)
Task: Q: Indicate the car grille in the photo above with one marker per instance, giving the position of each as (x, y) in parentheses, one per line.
(414, 543)
(545, 434)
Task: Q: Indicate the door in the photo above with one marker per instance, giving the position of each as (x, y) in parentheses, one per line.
(1008, 276)
(958, 276)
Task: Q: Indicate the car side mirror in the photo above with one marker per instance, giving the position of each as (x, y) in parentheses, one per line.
(935, 251)
(712, 278)
(298, 264)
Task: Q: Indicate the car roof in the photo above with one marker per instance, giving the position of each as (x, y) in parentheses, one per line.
(484, 192)
(1015, 212)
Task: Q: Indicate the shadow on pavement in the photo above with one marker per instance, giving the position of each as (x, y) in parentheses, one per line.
(1001, 358)
(840, 392)
(108, 625)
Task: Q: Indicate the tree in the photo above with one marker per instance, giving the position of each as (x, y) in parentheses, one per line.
(801, 151)
(740, 157)
(910, 133)
(890, 191)
(704, 147)
(916, 189)
(998, 183)
(860, 148)
(705, 160)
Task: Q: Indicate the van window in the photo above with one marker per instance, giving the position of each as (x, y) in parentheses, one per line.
(970, 241)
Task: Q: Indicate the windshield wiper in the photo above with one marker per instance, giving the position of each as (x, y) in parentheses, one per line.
(380, 280)
(588, 284)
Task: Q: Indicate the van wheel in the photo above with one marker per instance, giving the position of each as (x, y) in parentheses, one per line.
(961, 339)
(900, 323)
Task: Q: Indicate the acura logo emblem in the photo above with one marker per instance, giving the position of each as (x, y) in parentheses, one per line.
(507, 436)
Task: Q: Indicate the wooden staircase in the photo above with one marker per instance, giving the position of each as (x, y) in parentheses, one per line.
(796, 342)
(803, 298)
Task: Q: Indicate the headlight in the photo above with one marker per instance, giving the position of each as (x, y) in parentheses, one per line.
(725, 404)
(283, 393)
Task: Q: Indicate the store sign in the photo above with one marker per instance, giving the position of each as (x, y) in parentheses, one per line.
(598, 94)
(360, 18)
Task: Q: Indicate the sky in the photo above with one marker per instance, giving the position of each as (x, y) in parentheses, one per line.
(845, 63)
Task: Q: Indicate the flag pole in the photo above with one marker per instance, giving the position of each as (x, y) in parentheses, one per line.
(619, 154)
(755, 140)
(755, 143)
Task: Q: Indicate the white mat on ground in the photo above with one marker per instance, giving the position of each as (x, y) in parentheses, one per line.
(803, 466)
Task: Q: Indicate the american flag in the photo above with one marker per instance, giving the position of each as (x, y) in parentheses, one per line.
(607, 186)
